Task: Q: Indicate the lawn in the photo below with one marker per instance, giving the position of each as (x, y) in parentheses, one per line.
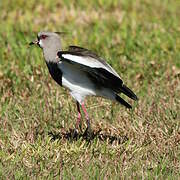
(141, 41)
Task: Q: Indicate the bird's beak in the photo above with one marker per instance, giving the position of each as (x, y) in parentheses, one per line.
(36, 42)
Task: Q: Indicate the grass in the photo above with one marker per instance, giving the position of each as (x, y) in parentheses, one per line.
(141, 40)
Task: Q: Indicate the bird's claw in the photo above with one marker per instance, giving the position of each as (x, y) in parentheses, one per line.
(75, 133)
(88, 134)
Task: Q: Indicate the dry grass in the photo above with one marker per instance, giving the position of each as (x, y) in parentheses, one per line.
(141, 40)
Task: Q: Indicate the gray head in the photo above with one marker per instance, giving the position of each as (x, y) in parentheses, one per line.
(50, 43)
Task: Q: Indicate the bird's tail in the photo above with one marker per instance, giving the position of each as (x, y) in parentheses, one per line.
(128, 92)
(123, 102)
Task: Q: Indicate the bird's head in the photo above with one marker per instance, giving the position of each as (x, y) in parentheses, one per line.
(49, 42)
(47, 39)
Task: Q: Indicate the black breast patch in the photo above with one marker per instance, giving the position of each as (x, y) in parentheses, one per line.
(55, 72)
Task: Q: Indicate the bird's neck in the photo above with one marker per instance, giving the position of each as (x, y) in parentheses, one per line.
(50, 54)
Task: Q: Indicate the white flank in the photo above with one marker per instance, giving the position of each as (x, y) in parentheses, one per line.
(76, 81)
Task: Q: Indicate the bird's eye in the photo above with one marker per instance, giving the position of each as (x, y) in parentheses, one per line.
(43, 36)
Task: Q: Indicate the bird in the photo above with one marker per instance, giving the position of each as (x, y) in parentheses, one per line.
(82, 72)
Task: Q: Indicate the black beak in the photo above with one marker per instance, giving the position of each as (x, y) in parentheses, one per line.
(34, 43)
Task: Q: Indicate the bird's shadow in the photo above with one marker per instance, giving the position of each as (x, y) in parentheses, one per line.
(73, 135)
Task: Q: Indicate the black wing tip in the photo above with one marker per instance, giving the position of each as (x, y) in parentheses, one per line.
(134, 97)
(123, 102)
(129, 92)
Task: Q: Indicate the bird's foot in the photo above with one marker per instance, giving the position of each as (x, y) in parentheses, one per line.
(88, 133)
(74, 133)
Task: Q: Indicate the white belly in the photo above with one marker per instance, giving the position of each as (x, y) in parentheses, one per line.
(76, 81)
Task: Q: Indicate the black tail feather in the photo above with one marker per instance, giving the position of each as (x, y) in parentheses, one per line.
(123, 102)
(128, 92)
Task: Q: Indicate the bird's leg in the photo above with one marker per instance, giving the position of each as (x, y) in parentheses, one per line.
(79, 116)
(88, 130)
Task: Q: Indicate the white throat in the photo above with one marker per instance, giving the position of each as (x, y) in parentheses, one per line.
(40, 43)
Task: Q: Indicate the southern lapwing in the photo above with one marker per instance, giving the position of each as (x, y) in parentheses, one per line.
(82, 72)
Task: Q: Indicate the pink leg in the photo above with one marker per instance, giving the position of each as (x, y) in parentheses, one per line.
(79, 115)
(86, 115)
(85, 111)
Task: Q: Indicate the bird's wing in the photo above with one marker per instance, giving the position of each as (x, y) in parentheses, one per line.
(77, 48)
(87, 57)
(100, 73)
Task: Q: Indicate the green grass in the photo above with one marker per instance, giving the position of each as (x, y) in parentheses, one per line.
(141, 40)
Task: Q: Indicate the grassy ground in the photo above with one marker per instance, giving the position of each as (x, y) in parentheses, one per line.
(141, 40)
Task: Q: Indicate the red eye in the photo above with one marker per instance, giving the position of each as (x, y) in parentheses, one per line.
(43, 36)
